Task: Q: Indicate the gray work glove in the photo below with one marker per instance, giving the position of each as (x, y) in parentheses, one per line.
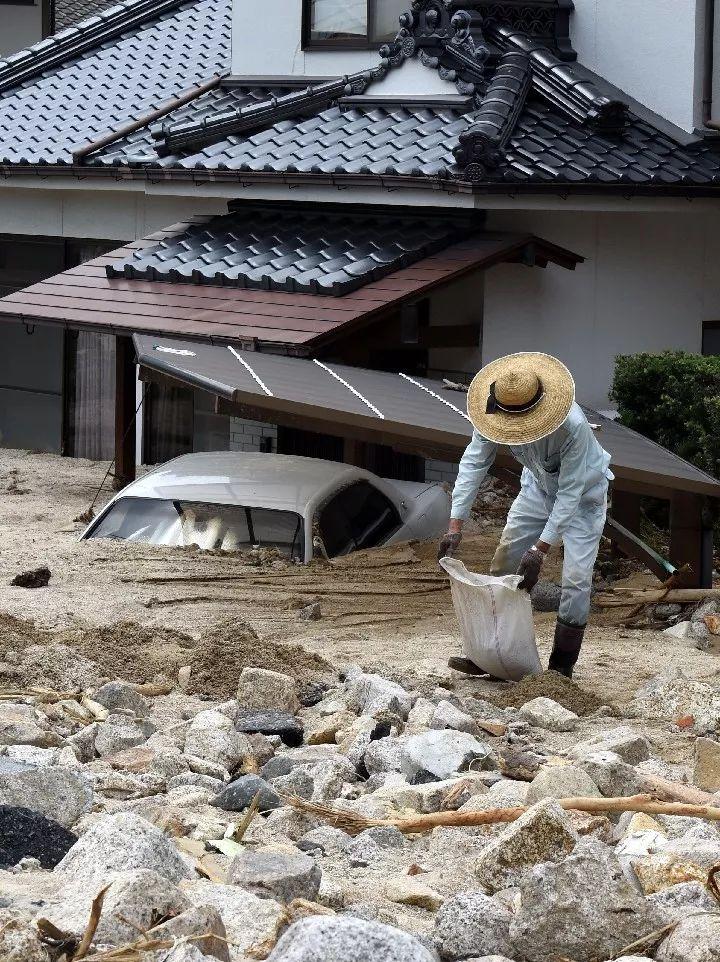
(529, 568)
(449, 543)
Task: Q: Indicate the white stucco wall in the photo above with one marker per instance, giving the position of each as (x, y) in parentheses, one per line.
(20, 26)
(648, 283)
(653, 49)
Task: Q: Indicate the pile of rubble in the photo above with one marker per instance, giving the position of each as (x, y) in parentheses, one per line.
(142, 825)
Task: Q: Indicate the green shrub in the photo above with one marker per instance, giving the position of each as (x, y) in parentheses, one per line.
(674, 399)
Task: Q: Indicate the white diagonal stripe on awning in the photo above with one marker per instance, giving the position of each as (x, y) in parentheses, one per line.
(436, 396)
(350, 388)
(250, 371)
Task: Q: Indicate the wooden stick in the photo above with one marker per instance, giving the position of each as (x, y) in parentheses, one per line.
(353, 823)
(624, 598)
(668, 791)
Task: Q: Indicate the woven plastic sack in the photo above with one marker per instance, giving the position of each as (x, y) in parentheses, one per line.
(496, 622)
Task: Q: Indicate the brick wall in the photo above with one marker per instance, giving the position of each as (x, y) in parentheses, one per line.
(247, 435)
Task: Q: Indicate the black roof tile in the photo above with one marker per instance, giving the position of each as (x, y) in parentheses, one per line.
(304, 251)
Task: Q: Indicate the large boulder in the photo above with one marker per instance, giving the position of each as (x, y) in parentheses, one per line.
(561, 781)
(548, 714)
(373, 694)
(201, 924)
(59, 793)
(582, 908)
(542, 834)
(260, 688)
(613, 777)
(437, 755)
(238, 795)
(696, 939)
(20, 726)
(629, 745)
(672, 695)
(117, 843)
(281, 874)
(249, 921)
(133, 901)
(473, 924)
(212, 737)
(346, 939)
(122, 696)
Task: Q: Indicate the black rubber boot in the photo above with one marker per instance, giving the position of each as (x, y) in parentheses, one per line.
(566, 648)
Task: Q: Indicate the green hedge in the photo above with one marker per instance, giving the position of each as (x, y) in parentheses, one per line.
(673, 398)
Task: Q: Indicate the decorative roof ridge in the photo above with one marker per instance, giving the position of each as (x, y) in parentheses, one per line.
(195, 134)
(561, 83)
(55, 50)
(480, 148)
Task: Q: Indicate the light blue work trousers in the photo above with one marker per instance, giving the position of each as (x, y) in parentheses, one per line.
(581, 540)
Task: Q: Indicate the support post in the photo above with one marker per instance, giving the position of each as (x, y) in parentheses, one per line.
(124, 412)
(691, 537)
(625, 509)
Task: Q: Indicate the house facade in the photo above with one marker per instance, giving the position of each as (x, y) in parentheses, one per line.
(585, 130)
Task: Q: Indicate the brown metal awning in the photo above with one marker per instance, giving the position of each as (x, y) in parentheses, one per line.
(413, 414)
(85, 298)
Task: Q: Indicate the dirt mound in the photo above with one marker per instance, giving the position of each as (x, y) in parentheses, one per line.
(548, 685)
(18, 633)
(222, 653)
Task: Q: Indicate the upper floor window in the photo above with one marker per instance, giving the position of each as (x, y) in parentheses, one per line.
(355, 24)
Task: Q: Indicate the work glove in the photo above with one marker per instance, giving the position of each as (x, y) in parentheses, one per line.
(529, 568)
(449, 543)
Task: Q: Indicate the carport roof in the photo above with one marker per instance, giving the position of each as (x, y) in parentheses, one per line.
(85, 298)
(413, 413)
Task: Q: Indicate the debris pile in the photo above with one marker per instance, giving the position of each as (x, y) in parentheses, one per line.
(355, 817)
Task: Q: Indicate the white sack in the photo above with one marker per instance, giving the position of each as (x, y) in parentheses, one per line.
(496, 622)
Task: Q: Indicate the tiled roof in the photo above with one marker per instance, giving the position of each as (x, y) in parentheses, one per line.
(404, 140)
(311, 252)
(70, 12)
(182, 43)
(99, 90)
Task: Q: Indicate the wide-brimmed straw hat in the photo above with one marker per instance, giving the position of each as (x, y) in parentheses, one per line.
(520, 398)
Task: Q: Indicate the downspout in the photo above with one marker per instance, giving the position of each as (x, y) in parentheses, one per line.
(708, 67)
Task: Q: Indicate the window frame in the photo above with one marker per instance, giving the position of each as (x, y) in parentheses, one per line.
(339, 43)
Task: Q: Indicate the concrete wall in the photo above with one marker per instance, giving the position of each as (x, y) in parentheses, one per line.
(31, 361)
(248, 435)
(21, 25)
(653, 49)
(648, 283)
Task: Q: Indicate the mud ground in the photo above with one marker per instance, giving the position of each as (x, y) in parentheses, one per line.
(144, 611)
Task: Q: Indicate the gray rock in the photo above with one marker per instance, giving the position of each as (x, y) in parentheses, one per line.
(259, 688)
(473, 924)
(297, 782)
(271, 721)
(384, 755)
(548, 714)
(631, 746)
(182, 952)
(582, 908)
(19, 940)
(545, 596)
(83, 743)
(665, 611)
(186, 779)
(672, 695)
(306, 756)
(61, 794)
(133, 901)
(121, 695)
(283, 875)
(117, 843)
(238, 795)
(202, 924)
(708, 607)
(506, 793)
(373, 694)
(363, 851)
(346, 939)
(111, 737)
(249, 920)
(19, 726)
(542, 834)
(325, 840)
(213, 738)
(612, 775)
(696, 939)
(437, 755)
(446, 715)
(685, 898)
(561, 781)
(329, 777)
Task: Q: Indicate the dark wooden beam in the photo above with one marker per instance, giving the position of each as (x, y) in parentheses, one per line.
(691, 537)
(124, 412)
(625, 509)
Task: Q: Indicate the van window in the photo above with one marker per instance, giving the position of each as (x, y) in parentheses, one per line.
(357, 517)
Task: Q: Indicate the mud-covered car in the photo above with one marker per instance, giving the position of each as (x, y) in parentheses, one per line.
(236, 501)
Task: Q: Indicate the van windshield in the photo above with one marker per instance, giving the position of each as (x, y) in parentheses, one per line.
(227, 527)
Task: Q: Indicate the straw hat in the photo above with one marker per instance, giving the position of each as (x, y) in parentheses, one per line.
(520, 398)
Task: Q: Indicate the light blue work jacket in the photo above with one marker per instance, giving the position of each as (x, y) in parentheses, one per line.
(568, 465)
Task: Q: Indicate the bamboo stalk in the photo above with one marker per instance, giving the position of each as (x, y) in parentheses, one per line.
(354, 823)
